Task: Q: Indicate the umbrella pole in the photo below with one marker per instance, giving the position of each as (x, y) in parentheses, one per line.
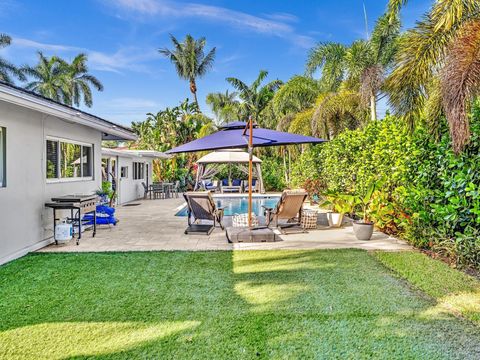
(250, 169)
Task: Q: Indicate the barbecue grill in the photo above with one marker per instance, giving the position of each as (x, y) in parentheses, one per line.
(79, 205)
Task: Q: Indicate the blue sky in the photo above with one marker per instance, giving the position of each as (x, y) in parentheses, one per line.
(121, 38)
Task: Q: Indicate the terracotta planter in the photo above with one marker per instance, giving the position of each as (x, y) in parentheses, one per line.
(335, 219)
(362, 230)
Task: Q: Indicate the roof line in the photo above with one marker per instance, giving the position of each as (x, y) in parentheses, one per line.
(68, 108)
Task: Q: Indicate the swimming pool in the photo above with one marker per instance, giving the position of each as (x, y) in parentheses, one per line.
(239, 204)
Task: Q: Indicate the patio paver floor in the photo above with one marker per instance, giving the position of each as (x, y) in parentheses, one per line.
(153, 226)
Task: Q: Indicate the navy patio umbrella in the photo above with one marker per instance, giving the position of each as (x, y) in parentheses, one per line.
(233, 135)
(244, 135)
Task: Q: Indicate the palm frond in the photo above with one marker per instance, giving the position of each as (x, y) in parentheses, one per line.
(460, 82)
(207, 62)
(5, 40)
(328, 57)
(261, 76)
(421, 55)
(238, 85)
(394, 7)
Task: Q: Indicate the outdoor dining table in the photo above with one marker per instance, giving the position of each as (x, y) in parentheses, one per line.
(167, 188)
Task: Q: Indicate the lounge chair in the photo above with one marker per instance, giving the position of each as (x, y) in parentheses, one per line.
(201, 206)
(289, 208)
(209, 185)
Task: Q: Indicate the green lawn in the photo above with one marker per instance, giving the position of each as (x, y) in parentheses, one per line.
(243, 304)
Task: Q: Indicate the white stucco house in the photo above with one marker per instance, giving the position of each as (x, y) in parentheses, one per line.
(129, 169)
(40, 140)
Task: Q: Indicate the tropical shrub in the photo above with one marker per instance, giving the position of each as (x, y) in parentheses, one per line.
(273, 175)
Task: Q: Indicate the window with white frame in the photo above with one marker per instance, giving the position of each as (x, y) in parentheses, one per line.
(3, 157)
(138, 171)
(68, 160)
(124, 172)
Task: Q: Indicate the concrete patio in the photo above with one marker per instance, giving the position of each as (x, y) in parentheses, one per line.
(152, 225)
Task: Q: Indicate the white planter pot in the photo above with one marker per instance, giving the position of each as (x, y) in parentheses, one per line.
(363, 231)
(335, 219)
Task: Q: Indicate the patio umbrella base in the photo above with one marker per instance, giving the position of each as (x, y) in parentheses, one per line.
(245, 235)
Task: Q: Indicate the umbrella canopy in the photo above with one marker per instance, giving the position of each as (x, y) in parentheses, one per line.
(233, 135)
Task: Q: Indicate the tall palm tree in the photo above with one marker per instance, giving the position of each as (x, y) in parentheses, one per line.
(80, 81)
(225, 106)
(49, 78)
(190, 59)
(443, 48)
(361, 66)
(8, 71)
(255, 97)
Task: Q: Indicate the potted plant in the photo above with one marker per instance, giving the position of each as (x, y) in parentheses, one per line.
(339, 204)
(363, 228)
(105, 192)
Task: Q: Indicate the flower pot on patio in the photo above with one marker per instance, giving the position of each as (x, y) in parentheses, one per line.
(335, 219)
(363, 230)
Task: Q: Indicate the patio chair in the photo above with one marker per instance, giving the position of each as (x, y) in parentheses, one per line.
(158, 191)
(176, 188)
(201, 206)
(147, 190)
(289, 208)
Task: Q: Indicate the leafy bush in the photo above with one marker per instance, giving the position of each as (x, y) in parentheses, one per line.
(273, 176)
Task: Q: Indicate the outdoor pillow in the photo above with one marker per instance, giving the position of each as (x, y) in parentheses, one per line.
(236, 182)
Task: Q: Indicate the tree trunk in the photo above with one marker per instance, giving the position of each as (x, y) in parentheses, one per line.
(373, 107)
(193, 90)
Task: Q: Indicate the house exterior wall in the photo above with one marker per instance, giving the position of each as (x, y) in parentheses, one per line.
(25, 224)
(130, 189)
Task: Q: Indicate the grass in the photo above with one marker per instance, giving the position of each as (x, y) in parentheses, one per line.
(228, 305)
(453, 291)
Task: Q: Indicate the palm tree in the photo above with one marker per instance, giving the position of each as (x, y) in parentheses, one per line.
(50, 78)
(443, 48)
(190, 60)
(7, 69)
(362, 66)
(80, 81)
(255, 98)
(225, 106)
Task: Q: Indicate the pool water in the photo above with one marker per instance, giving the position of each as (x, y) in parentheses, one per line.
(239, 205)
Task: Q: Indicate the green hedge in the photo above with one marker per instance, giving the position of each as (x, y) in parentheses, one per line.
(433, 194)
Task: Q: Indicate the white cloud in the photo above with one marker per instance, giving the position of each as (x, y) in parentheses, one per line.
(276, 24)
(126, 58)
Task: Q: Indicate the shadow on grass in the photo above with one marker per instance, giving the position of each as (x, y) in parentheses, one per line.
(244, 304)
